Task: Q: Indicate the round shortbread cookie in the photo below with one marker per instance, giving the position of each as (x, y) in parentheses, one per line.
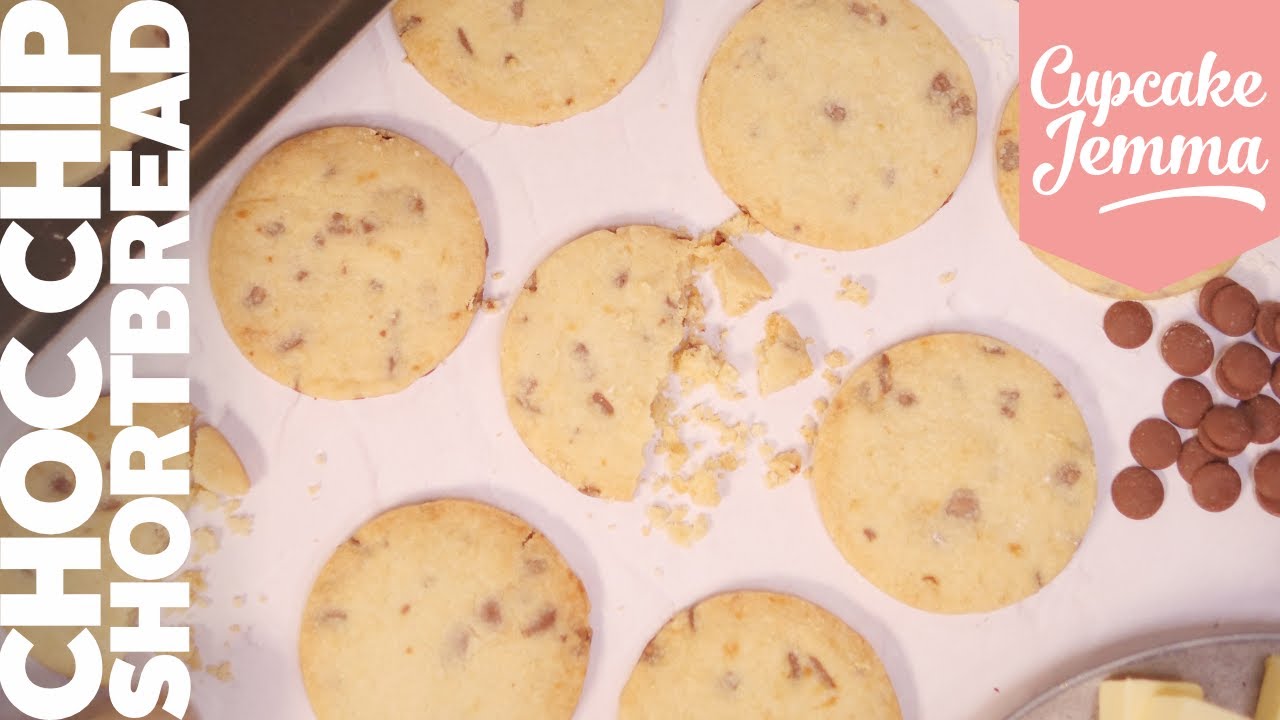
(758, 655)
(955, 473)
(1007, 185)
(588, 345)
(449, 609)
(528, 62)
(89, 33)
(836, 124)
(349, 263)
(53, 482)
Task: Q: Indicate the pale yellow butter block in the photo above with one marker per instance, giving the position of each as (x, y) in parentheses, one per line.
(1173, 707)
(1128, 699)
(1269, 698)
(215, 465)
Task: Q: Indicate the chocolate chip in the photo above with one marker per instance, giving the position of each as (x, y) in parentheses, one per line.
(941, 83)
(1275, 378)
(1137, 493)
(1008, 156)
(1266, 476)
(273, 228)
(1155, 443)
(1243, 370)
(870, 534)
(62, 485)
(1216, 486)
(961, 107)
(1192, 457)
(964, 505)
(1127, 324)
(823, 676)
(1270, 505)
(466, 44)
(1210, 289)
(1185, 402)
(1067, 474)
(835, 112)
(1263, 414)
(1233, 310)
(491, 612)
(543, 623)
(603, 403)
(517, 9)
(256, 297)
(1186, 349)
(1267, 327)
(1225, 429)
(410, 23)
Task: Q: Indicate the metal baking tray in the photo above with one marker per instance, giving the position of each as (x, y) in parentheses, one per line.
(248, 60)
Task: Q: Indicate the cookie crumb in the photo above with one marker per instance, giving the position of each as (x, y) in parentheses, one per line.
(782, 468)
(947, 277)
(739, 281)
(215, 465)
(204, 541)
(221, 671)
(853, 291)
(240, 524)
(782, 356)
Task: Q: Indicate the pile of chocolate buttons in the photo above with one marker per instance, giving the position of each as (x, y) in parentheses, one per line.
(1218, 431)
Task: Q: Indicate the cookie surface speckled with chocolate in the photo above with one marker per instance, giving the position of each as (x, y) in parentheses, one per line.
(528, 62)
(837, 124)
(757, 655)
(588, 343)
(955, 473)
(348, 263)
(448, 609)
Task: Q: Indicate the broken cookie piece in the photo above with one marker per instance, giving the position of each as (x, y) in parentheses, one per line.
(782, 356)
(215, 466)
(740, 283)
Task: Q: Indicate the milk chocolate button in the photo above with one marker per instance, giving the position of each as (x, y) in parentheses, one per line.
(1267, 327)
(1155, 443)
(1243, 371)
(1185, 403)
(1268, 504)
(1127, 324)
(1187, 349)
(1225, 431)
(1192, 457)
(1137, 493)
(1266, 476)
(1263, 413)
(1233, 310)
(1207, 292)
(1275, 378)
(1216, 486)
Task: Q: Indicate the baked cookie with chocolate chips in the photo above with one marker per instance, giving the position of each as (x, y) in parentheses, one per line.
(1007, 185)
(588, 344)
(348, 263)
(55, 482)
(448, 609)
(528, 62)
(955, 473)
(758, 655)
(837, 124)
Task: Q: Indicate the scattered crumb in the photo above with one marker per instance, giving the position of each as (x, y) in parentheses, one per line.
(946, 277)
(235, 628)
(703, 484)
(809, 430)
(832, 378)
(240, 524)
(492, 305)
(193, 660)
(239, 601)
(767, 450)
(782, 357)
(321, 458)
(836, 359)
(314, 490)
(204, 541)
(853, 291)
(673, 522)
(821, 404)
(262, 598)
(758, 430)
(215, 465)
(498, 275)
(195, 583)
(658, 572)
(782, 468)
(221, 671)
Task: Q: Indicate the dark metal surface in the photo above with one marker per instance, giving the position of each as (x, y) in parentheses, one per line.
(248, 59)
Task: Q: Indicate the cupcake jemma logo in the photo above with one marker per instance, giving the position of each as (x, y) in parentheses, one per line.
(1148, 134)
